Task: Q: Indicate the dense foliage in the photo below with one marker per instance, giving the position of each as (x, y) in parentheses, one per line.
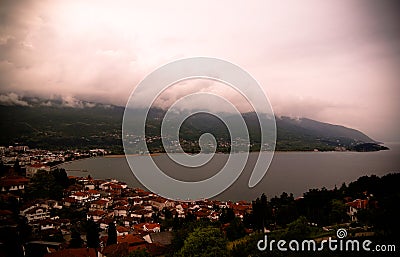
(302, 218)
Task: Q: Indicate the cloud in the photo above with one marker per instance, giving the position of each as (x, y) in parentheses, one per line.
(11, 99)
(344, 70)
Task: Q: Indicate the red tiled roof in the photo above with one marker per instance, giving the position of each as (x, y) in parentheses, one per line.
(78, 252)
(70, 200)
(131, 239)
(152, 225)
(100, 202)
(96, 213)
(120, 249)
(121, 229)
(358, 204)
(115, 186)
(13, 181)
(121, 208)
(5, 212)
(138, 247)
(81, 194)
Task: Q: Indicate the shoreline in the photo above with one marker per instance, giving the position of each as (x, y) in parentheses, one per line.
(158, 154)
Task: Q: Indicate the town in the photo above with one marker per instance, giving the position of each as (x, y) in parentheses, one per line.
(136, 214)
(45, 212)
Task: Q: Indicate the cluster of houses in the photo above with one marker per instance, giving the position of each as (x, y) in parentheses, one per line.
(32, 160)
(137, 213)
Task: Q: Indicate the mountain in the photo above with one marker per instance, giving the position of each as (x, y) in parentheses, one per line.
(70, 123)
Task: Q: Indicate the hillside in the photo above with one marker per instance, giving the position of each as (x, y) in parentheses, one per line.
(51, 124)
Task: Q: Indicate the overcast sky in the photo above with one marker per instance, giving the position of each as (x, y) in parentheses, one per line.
(334, 61)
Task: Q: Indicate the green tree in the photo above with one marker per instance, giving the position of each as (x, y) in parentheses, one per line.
(227, 215)
(17, 167)
(76, 240)
(92, 234)
(43, 185)
(48, 185)
(235, 230)
(3, 169)
(112, 234)
(207, 241)
(261, 212)
(298, 229)
(61, 177)
(338, 213)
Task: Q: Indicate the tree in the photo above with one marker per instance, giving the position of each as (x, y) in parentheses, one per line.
(235, 230)
(92, 234)
(338, 213)
(76, 240)
(227, 215)
(48, 185)
(43, 185)
(112, 234)
(298, 229)
(3, 168)
(207, 241)
(17, 167)
(61, 177)
(261, 212)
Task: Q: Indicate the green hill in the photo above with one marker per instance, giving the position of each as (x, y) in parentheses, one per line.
(49, 124)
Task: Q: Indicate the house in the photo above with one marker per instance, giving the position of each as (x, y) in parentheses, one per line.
(93, 194)
(89, 185)
(70, 201)
(163, 238)
(96, 215)
(13, 184)
(135, 242)
(148, 227)
(41, 248)
(100, 204)
(122, 231)
(141, 213)
(48, 224)
(354, 206)
(161, 203)
(49, 204)
(5, 215)
(34, 213)
(137, 201)
(103, 223)
(81, 197)
(115, 250)
(121, 211)
(77, 252)
(32, 169)
(129, 221)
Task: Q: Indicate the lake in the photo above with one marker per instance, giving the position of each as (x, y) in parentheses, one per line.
(291, 172)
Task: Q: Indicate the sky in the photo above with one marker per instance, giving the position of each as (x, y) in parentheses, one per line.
(333, 61)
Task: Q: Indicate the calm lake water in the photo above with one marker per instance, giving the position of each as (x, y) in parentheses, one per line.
(291, 172)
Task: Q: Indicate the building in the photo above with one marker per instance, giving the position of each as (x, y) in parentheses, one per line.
(32, 169)
(354, 206)
(13, 184)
